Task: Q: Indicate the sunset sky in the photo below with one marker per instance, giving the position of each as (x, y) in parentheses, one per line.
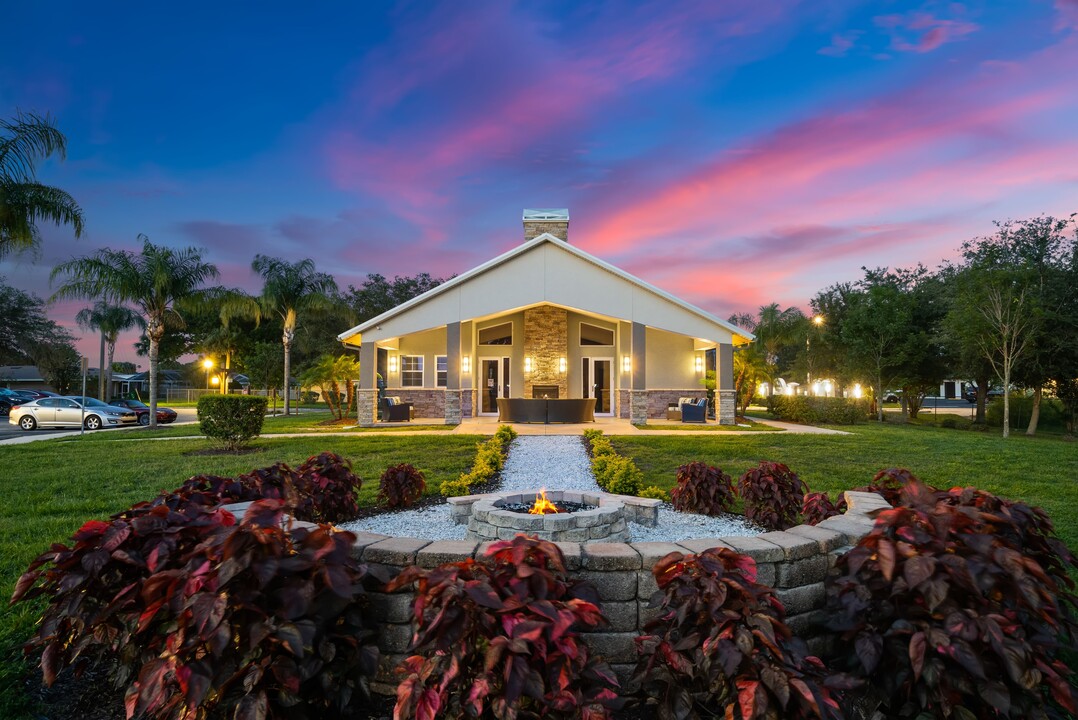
(733, 153)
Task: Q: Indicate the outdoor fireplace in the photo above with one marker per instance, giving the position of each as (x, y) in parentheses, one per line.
(544, 392)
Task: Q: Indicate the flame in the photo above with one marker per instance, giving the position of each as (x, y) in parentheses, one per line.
(543, 506)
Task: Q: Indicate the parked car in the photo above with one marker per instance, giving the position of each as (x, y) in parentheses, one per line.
(892, 396)
(164, 415)
(37, 394)
(971, 394)
(68, 412)
(9, 399)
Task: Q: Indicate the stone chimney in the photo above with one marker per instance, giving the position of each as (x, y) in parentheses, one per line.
(546, 220)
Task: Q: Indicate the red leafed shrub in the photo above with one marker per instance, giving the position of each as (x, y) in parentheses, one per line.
(322, 489)
(888, 484)
(702, 488)
(773, 495)
(498, 638)
(327, 488)
(720, 646)
(817, 507)
(204, 618)
(401, 485)
(957, 604)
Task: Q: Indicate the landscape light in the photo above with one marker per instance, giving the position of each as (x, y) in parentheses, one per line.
(207, 363)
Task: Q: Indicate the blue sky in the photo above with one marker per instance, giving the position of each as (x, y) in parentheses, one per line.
(731, 154)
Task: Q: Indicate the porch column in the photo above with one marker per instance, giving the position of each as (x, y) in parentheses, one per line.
(638, 394)
(452, 366)
(726, 411)
(367, 389)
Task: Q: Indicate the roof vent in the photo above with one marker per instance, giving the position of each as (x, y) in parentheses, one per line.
(546, 220)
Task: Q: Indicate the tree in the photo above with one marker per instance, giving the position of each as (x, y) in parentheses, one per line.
(264, 369)
(24, 201)
(750, 369)
(377, 295)
(777, 331)
(1010, 319)
(875, 332)
(59, 363)
(24, 325)
(110, 320)
(289, 290)
(156, 281)
(330, 374)
(227, 339)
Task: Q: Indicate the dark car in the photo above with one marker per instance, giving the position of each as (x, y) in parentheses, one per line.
(9, 399)
(37, 394)
(164, 415)
(971, 394)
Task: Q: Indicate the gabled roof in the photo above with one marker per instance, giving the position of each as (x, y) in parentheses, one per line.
(20, 373)
(519, 250)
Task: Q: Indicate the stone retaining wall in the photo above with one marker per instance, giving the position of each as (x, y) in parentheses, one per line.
(794, 562)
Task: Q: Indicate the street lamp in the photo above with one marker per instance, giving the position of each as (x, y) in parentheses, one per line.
(208, 364)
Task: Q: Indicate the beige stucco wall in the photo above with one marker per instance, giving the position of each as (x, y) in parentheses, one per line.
(670, 361)
(429, 344)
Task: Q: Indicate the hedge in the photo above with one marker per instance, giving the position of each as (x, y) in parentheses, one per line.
(232, 419)
(807, 409)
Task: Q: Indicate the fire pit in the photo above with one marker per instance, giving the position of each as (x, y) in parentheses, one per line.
(560, 516)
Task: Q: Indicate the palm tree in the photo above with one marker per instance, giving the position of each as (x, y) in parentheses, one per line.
(776, 330)
(288, 290)
(110, 320)
(233, 304)
(156, 281)
(23, 201)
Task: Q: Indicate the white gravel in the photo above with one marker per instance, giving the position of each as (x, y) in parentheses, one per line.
(556, 462)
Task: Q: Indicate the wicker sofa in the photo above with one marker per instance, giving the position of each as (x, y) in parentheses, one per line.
(688, 409)
(394, 410)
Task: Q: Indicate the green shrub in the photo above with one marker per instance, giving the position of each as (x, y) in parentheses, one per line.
(1052, 414)
(232, 419)
(806, 409)
(598, 468)
(654, 492)
(590, 436)
(505, 435)
(459, 487)
(601, 446)
(489, 459)
(624, 477)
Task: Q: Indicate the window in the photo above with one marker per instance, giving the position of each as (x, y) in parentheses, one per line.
(411, 371)
(594, 335)
(497, 335)
(441, 365)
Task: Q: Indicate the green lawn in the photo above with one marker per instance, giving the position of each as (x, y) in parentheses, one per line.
(1041, 471)
(712, 427)
(49, 489)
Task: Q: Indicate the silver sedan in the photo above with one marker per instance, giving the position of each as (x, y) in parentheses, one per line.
(67, 412)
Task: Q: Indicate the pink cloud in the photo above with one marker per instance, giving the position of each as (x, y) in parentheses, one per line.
(922, 32)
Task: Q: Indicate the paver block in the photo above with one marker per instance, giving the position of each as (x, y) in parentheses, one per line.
(801, 599)
(759, 550)
(853, 529)
(394, 638)
(395, 608)
(766, 574)
(795, 547)
(440, 552)
(394, 551)
(698, 545)
(827, 538)
(622, 616)
(806, 624)
(653, 552)
(613, 647)
(616, 586)
(610, 556)
(363, 541)
(796, 573)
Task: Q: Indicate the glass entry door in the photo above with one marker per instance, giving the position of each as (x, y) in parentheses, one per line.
(598, 383)
(494, 383)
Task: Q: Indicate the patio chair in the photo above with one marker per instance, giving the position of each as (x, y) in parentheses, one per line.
(673, 411)
(694, 412)
(393, 410)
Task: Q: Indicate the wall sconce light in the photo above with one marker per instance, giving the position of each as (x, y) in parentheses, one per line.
(626, 363)
(528, 364)
(698, 364)
(466, 364)
(392, 363)
(561, 365)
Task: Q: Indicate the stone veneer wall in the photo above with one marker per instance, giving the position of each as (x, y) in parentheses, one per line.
(546, 341)
(794, 562)
(427, 403)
